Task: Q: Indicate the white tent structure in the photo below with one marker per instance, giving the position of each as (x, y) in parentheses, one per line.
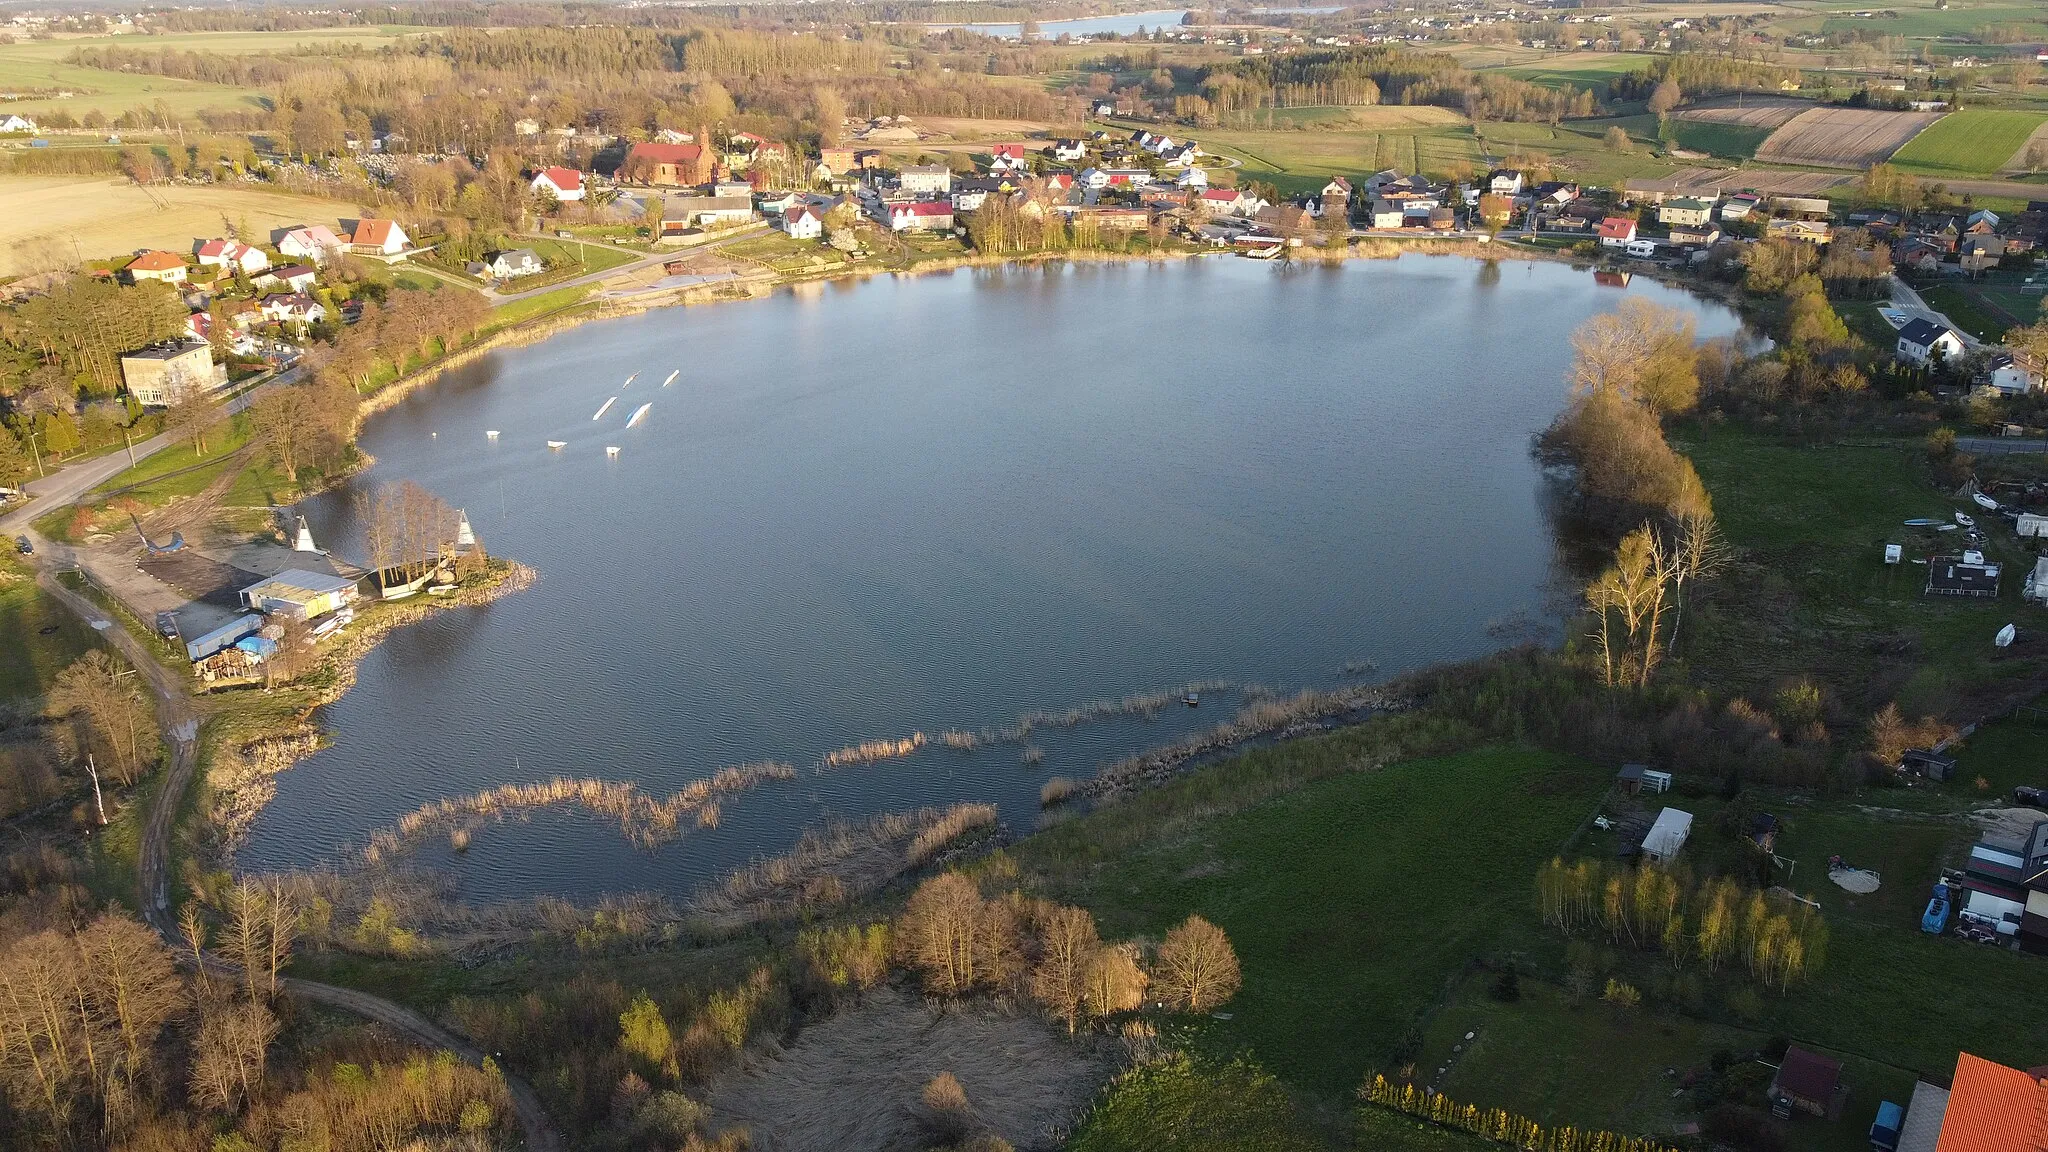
(1667, 835)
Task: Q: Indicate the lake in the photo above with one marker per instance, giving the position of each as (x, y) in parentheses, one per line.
(1121, 24)
(867, 509)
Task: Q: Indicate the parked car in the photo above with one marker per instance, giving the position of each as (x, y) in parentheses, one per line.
(22, 545)
(2031, 797)
(167, 625)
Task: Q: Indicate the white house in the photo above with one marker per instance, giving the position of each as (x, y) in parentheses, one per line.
(1668, 835)
(1923, 341)
(1383, 214)
(1192, 178)
(13, 123)
(318, 244)
(514, 263)
(921, 216)
(293, 308)
(1617, 232)
(290, 277)
(1504, 182)
(1069, 149)
(803, 222)
(156, 264)
(2014, 376)
(234, 256)
(1006, 158)
(374, 237)
(565, 183)
(1094, 179)
(926, 178)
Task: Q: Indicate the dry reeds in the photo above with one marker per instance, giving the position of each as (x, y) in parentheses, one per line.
(1057, 790)
(1033, 755)
(958, 821)
(870, 751)
(843, 861)
(1263, 715)
(643, 820)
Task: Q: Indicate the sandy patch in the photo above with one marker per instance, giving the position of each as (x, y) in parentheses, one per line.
(1843, 137)
(854, 1081)
(46, 221)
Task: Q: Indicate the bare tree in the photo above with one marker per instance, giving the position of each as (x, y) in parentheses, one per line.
(1060, 980)
(1114, 981)
(1197, 968)
(939, 933)
(287, 421)
(190, 414)
(95, 690)
(231, 1054)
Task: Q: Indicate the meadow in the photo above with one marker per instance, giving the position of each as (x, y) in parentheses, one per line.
(50, 637)
(1578, 69)
(50, 221)
(1729, 141)
(1972, 142)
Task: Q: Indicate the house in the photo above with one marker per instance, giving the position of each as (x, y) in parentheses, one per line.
(1806, 231)
(1415, 189)
(1685, 210)
(376, 237)
(1069, 150)
(803, 222)
(1384, 214)
(2031, 525)
(292, 308)
(1918, 255)
(668, 165)
(681, 213)
(1114, 219)
(565, 183)
(199, 327)
(1637, 778)
(300, 595)
(745, 147)
(158, 265)
(1648, 190)
(1617, 232)
(1696, 235)
(1922, 341)
(526, 126)
(234, 256)
(1965, 575)
(1504, 182)
(291, 277)
(1986, 1108)
(155, 375)
(1807, 1082)
(1007, 158)
(2014, 375)
(925, 179)
(1740, 205)
(1194, 178)
(318, 244)
(921, 216)
(514, 263)
(1556, 192)
(1180, 155)
(969, 193)
(1809, 207)
(1222, 202)
(838, 161)
(1667, 835)
(13, 123)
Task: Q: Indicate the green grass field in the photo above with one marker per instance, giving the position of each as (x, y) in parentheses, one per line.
(1298, 161)
(47, 635)
(1972, 142)
(1729, 141)
(1962, 306)
(1577, 70)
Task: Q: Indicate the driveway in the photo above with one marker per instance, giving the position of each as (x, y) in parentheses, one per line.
(1908, 301)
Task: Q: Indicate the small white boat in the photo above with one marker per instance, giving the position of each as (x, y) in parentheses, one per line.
(557, 444)
(671, 377)
(629, 380)
(611, 452)
(2006, 636)
(638, 415)
(1966, 520)
(604, 408)
(1984, 502)
(440, 589)
(491, 434)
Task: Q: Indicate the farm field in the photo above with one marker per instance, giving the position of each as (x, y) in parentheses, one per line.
(1751, 111)
(1731, 141)
(1296, 161)
(1577, 69)
(51, 220)
(41, 64)
(1972, 142)
(1842, 137)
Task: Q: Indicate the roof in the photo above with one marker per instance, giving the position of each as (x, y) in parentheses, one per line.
(1993, 1108)
(567, 179)
(167, 351)
(802, 210)
(665, 153)
(1924, 332)
(370, 230)
(1689, 202)
(516, 255)
(156, 260)
(1959, 575)
(1807, 1075)
(924, 208)
(293, 272)
(680, 207)
(227, 248)
(1632, 771)
(1923, 1118)
(926, 170)
(1668, 834)
(298, 583)
(1228, 195)
(1009, 151)
(317, 236)
(1617, 227)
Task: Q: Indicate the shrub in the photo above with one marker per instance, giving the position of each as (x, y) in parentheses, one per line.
(1197, 968)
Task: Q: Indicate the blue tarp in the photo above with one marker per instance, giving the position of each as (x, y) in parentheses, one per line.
(1884, 1131)
(200, 647)
(257, 646)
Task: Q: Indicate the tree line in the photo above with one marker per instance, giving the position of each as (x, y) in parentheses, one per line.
(1375, 75)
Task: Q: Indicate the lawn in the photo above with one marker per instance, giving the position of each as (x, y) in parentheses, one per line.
(1969, 313)
(1303, 160)
(519, 311)
(582, 257)
(1350, 901)
(1972, 142)
(48, 636)
(1578, 70)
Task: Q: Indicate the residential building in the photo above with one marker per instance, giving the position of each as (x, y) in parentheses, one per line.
(926, 179)
(1814, 207)
(680, 213)
(378, 237)
(1986, 1108)
(514, 263)
(526, 126)
(565, 183)
(1696, 235)
(292, 308)
(920, 216)
(158, 265)
(317, 243)
(291, 277)
(155, 375)
(1556, 192)
(1007, 158)
(1383, 214)
(1740, 205)
(2006, 879)
(1069, 150)
(775, 204)
(233, 256)
(1504, 182)
(14, 123)
(1923, 342)
(1194, 178)
(1807, 1082)
(838, 161)
(1685, 210)
(1225, 202)
(1093, 179)
(1667, 835)
(667, 165)
(1808, 231)
(1617, 231)
(969, 193)
(803, 222)
(2015, 375)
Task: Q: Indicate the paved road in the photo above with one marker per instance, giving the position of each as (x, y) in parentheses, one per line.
(1908, 301)
(641, 264)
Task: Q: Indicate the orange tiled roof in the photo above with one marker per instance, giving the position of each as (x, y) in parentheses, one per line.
(156, 261)
(1993, 1108)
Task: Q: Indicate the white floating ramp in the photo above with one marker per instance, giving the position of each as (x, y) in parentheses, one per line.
(611, 451)
(671, 377)
(638, 415)
(557, 444)
(604, 408)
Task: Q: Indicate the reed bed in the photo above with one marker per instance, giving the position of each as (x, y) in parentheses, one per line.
(644, 820)
(841, 862)
(1261, 717)
(1057, 790)
(870, 751)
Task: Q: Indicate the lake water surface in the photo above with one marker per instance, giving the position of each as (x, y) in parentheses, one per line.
(1121, 24)
(867, 509)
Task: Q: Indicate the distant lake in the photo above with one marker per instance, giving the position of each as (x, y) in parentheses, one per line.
(866, 509)
(1123, 24)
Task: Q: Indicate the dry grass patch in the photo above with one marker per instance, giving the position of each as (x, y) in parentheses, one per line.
(1382, 117)
(1749, 111)
(49, 221)
(1843, 137)
(858, 1080)
(965, 129)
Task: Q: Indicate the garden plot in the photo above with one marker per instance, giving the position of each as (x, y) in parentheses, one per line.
(1843, 137)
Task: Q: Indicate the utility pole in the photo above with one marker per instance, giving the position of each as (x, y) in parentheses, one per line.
(35, 451)
(129, 441)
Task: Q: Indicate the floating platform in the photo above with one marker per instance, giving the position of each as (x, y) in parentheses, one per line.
(491, 435)
(611, 452)
(557, 444)
(638, 415)
(604, 408)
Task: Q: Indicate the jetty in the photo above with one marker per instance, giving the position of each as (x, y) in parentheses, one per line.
(604, 408)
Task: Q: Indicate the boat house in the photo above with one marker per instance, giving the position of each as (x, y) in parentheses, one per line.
(299, 594)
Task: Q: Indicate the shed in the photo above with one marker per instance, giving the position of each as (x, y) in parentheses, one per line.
(1953, 576)
(200, 647)
(300, 594)
(1667, 836)
(1924, 1114)
(1635, 778)
(1932, 765)
(1807, 1082)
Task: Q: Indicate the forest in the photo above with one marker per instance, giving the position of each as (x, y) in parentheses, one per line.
(1365, 76)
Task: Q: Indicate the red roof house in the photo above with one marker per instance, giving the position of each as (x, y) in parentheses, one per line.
(565, 183)
(922, 216)
(1992, 1108)
(1617, 231)
(378, 237)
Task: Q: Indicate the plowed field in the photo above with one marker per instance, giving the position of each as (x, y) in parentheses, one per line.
(1843, 137)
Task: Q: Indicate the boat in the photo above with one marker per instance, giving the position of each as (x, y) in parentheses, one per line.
(1921, 522)
(604, 408)
(611, 452)
(491, 435)
(440, 589)
(2006, 636)
(557, 444)
(1984, 502)
(1192, 699)
(671, 377)
(1966, 520)
(1945, 527)
(638, 415)
(629, 380)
